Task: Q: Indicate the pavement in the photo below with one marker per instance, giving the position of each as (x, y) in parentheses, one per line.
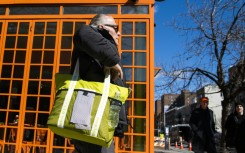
(171, 150)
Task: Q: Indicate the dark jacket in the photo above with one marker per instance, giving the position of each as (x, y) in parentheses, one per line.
(202, 121)
(96, 49)
(203, 128)
(235, 130)
(240, 145)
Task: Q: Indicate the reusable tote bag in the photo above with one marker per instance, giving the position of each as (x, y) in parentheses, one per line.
(85, 110)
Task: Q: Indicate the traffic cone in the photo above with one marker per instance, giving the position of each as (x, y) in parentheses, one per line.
(181, 145)
(176, 144)
(190, 146)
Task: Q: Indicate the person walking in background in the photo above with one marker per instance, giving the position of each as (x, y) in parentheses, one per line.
(95, 45)
(203, 128)
(235, 129)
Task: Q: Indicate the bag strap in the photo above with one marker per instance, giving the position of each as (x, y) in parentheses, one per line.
(68, 96)
(102, 105)
(101, 108)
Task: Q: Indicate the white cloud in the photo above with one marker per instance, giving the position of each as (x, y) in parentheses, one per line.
(156, 9)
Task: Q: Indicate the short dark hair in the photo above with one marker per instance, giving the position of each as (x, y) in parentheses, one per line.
(239, 103)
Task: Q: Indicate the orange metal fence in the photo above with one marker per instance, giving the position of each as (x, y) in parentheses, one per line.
(34, 47)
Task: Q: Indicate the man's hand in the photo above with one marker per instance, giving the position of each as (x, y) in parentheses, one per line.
(116, 71)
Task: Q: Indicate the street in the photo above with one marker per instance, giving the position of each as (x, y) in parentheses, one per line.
(159, 146)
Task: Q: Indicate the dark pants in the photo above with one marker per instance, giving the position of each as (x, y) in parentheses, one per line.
(203, 144)
(240, 149)
(85, 147)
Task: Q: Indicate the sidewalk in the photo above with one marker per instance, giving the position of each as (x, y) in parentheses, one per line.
(171, 150)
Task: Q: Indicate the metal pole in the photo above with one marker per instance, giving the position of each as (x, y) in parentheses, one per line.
(167, 138)
(159, 128)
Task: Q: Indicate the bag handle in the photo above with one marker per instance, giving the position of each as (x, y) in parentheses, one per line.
(101, 107)
(68, 96)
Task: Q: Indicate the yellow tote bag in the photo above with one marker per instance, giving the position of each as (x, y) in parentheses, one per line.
(85, 110)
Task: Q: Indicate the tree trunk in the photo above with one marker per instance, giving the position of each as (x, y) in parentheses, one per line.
(226, 105)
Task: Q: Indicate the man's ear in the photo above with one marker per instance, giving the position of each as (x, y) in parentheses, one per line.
(100, 27)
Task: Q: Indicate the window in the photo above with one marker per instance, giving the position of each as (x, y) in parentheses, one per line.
(128, 9)
(33, 10)
(90, 10)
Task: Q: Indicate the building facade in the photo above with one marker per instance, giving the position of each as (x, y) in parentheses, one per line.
(175, 109)
(158, 110)
(179, 110)
(158, 107)
(236, 75)
(36, 43)
(179, 115)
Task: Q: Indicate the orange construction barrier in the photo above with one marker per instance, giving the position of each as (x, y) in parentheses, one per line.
(162, 144)
(181, 145)
(176, 144)
(190, 146)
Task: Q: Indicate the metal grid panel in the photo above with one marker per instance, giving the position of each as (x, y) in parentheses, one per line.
(46, 47)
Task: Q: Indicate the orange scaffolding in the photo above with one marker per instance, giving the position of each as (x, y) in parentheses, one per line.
(36, 43)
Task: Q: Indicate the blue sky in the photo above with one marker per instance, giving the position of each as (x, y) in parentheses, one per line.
(168, 41)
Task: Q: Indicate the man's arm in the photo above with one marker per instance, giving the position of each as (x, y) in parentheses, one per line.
(192, 122)
(96, 46)
(116, 71)
(228, 122)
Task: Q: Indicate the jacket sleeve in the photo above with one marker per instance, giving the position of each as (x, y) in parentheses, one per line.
(228, 122)
(95, 45)
(193, 121)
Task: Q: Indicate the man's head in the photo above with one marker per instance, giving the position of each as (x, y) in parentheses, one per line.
(239, 107)
(106, 22)
(204, 102)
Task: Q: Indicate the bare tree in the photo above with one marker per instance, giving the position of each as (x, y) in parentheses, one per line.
(215, 41)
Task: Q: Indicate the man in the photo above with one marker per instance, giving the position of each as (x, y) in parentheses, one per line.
(96, 47)
(235, 125)
(203, 128)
